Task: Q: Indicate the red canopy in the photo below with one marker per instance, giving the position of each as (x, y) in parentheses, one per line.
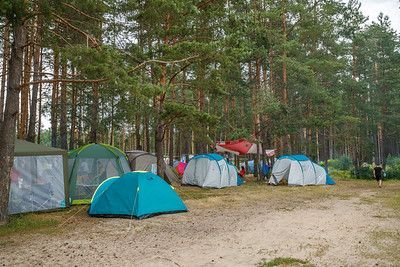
(241, 147)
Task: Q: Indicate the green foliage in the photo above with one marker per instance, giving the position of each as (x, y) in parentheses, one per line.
(393, 167)
(285, 262)
(25, 224)
(340, 174)
(364, 172)
(343, 163)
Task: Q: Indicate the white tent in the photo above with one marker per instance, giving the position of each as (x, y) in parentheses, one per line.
(298, 170)
(210, 170)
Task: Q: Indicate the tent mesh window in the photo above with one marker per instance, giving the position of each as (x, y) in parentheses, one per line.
(37, 183)
(90, 173)
(90, 165)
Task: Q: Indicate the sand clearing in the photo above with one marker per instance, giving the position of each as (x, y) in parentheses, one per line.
(341, 226)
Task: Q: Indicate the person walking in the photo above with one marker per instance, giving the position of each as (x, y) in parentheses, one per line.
(378, 174)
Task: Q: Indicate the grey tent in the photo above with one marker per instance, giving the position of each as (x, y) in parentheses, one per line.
(145, 161)
(38, 178)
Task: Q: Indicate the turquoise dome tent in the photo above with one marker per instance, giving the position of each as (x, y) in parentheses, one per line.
(135, 195)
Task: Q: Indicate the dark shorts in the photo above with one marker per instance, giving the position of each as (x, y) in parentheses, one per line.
(378, 178)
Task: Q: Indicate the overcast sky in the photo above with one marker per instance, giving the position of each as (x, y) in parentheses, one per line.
(372, 8)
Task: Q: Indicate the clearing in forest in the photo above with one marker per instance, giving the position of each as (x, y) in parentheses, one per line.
(351, 224)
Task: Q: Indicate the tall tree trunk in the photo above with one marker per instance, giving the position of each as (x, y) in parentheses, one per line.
(79, 137)
(285, 98)
(72, 133)
(7, 128)
(6, 52)
(94, 117)
(147, 133)
(23, 123)
(63, 106)
(112, 122)
(40, 109)
(256, 116)
(171, 145)
(37, 64)
(137, 132)
(159, 106)
(54, 101)
(122, 138)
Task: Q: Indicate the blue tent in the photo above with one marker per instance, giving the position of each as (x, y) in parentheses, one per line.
(135, 194)
(250, 165)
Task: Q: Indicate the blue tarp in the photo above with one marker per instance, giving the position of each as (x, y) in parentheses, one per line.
(212, 156)
(135, 194)
(250, 164)
(329, 180)
(295, 157)
(239, 181)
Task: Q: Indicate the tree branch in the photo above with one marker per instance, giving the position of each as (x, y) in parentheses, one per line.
(161, 62)
(67, 81)
(81, 12)
(63, 21)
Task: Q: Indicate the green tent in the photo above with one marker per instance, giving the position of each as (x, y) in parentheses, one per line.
(89, 166)
(38, 178)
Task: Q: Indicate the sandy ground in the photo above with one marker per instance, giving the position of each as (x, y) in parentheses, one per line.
(350, 229)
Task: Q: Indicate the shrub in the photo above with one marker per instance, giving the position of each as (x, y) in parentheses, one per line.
(393, 167)
(340, 174)
(342, 163)
(364, 172)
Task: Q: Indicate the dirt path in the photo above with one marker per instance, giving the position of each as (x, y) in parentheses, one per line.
(337, 231)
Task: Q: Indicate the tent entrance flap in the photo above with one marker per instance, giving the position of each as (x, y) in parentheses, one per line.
(90, 165)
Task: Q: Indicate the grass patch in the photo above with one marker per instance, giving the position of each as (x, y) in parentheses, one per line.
(387, 242)
(45, 223)
(394, 202)
(81, 202)
(284, 262)
(26, 223)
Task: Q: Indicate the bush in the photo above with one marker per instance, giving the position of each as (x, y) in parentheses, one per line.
(343, 163)
(393, 167)
(340, 174)
(364, 172)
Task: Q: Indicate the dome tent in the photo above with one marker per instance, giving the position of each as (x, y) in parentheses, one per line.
(90, 165)
(38, 178)
(299, 170)
(144, 161)
(210, 170)
(135, 195)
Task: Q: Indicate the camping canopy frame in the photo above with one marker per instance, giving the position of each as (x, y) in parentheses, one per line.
(39, 178)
